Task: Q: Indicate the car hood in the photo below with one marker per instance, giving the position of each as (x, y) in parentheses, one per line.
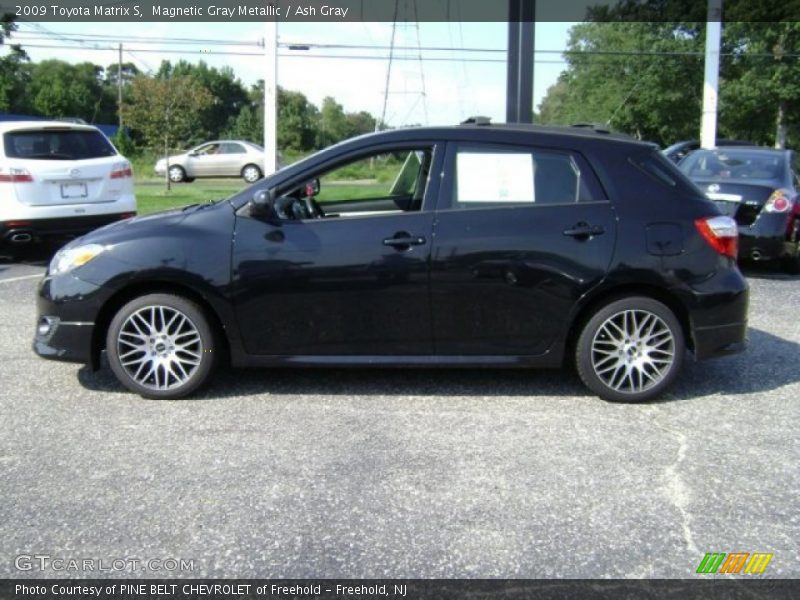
(142, 226)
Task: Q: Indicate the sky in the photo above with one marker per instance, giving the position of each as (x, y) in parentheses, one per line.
(454, 89)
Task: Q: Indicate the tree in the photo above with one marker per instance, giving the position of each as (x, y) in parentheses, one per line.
(228, 95)
(59, 89)
(614, 77)
(164, 110)
(13, 75)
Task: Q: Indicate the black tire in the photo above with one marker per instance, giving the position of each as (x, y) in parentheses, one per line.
(161, 346)
(630, 350)
(176, 173)
(251, 173)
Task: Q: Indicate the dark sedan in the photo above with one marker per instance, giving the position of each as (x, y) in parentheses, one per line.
(758, 187)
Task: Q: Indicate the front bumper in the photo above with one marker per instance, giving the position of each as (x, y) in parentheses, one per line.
(68, 307)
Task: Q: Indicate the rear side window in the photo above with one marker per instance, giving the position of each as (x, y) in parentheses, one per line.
(64, 144)
(487, 177)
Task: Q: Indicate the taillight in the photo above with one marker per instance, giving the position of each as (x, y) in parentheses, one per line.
(721, 233)
(121, 170)
(780, 201)
(14, 175)
(126, 215)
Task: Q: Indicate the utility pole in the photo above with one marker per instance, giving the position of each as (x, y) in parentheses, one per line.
(519, 74)
(119, 87)
(271, 97)
(708, 127)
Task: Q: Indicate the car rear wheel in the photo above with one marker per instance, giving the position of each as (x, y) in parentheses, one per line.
(251, 173)
(161, 346)
(176, 174)
(630, 350)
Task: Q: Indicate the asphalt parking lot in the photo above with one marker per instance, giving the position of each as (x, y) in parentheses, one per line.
(402, 473)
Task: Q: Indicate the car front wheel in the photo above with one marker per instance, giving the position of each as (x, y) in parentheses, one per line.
(176, 174)
(251, 173)
(161, 346)
(630, 350)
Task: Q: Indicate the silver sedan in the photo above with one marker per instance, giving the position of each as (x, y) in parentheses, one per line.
(221, 158)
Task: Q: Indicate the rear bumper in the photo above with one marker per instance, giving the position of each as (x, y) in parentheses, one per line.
(22, 231)
(720, 340)
(767, 238)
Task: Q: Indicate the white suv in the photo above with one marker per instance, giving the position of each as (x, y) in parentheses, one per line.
(59, 180)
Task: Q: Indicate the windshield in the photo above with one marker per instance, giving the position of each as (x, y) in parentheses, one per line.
(64, 144)
(733, 164)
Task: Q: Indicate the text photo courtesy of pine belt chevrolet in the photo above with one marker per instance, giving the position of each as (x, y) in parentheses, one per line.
(59, 180)
(489, 246)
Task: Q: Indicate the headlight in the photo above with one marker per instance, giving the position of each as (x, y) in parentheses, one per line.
(72, 258)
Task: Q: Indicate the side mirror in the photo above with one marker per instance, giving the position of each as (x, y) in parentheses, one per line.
(263, 203)
(192, 153)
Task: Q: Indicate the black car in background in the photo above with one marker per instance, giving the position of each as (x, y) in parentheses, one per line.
(758, 187)
(479, 246)
(678, 151)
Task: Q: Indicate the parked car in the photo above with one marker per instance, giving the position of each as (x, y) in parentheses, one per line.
(489, 246)
(221, 158)
(59, 180)
(677, 151)
(758, 187)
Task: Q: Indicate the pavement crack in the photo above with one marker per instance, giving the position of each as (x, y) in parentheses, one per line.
(675, 488)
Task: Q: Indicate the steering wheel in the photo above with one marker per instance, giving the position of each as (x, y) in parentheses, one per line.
(313, 208)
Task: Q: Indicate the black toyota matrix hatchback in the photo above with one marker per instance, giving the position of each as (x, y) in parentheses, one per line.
(471, 246)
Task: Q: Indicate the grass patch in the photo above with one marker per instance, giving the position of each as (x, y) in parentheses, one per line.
(152, 196)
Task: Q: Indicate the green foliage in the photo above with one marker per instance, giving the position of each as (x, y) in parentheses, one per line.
(164, 110)
(124, 144)
(228, 95)
(615, 77)
(58, 89)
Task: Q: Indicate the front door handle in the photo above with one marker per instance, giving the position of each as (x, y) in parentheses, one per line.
(584, 230)
(403, 240)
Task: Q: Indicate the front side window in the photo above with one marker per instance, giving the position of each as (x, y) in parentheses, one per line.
(392, 181)
(486, 178)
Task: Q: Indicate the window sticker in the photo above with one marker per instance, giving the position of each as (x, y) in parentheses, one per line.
(495, 177)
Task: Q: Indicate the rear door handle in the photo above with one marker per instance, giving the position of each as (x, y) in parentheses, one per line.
(584, 230)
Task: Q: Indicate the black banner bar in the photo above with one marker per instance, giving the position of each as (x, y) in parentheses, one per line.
(397, 589)
(336, 11)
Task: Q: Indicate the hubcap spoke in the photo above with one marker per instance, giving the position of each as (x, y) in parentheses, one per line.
(632, 351)
(159, 347)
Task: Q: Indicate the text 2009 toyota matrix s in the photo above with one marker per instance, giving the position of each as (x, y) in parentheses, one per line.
(490, 245)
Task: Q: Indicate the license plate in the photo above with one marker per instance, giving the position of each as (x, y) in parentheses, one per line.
(74, 190)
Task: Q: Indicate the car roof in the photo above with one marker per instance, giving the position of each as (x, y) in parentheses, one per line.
(495, 131)
(6, 126)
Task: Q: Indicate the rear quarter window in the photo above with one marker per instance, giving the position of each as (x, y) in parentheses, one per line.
(67, 144)
(662, 170)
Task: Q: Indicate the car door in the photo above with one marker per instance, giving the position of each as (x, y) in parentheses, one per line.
(520, 234)
(352, 283)
(230, 160)
(202, 161)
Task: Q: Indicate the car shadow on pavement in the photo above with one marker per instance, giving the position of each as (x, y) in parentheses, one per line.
(769, 363)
